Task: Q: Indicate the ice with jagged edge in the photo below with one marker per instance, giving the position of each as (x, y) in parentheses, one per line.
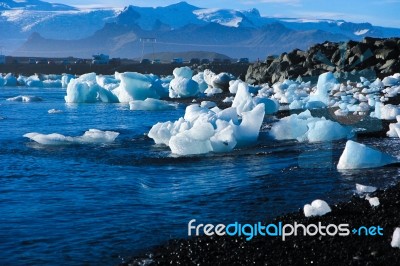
(358, 156)
(202, 130)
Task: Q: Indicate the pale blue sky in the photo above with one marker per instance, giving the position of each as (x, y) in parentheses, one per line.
(377, 12)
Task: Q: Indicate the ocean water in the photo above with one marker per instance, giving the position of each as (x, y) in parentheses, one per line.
(101, 204)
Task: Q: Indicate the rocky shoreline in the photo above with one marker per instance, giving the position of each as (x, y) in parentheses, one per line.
(351, 60)
(300, 250)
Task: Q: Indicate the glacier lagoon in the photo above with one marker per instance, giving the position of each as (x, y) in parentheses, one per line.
(103, 203)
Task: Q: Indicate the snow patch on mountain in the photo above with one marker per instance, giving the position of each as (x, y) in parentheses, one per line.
(361, 32)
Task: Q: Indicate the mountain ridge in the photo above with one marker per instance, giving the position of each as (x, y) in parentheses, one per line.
(180, 27)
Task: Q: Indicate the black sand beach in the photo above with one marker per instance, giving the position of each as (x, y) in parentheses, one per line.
(297, 250)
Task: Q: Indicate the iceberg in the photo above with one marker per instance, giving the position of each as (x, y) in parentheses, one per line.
(317, 208)
(358, 156)
(92, 136)
(202, 130)
(135, 86)
(83, 89)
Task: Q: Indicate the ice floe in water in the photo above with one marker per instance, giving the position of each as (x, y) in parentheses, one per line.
(305, 127)
(151, 105)
(26, 99)
(92, 136)
(316, 208)
(55, 111)
(358, 156)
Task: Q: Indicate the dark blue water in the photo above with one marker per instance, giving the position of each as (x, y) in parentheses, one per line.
(100, 204)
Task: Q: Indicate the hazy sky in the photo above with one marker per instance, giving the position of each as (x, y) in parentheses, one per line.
(378, 12)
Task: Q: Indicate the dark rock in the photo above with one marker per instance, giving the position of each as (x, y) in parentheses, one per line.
(372, 54)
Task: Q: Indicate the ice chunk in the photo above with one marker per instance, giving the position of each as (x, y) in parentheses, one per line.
(151, 105)
(396, 238)
(183, 72)
(199, 78)
(224, 139)
(326, 82)
(317, 208)
(374, 202)
(248, 130)
(49, 83)
(10, 80)
(365, 189)
(271, 106)
(135, 86)
(83, 89)
(34, 81)
(327, 130)
(202, 130)
(208, 104)
(161, 133)
(193, 141)
(107, 82)
(183, 88)
(92, 136)
(211, 91)
(243, 101)
(54, 111)
(65, 79)
(390, 81)
(222, 80)
(357, 156)
(385, 112)
(291, 127)
(25, 98)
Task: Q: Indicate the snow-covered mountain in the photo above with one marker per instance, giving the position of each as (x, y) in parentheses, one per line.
(34, 5)
(178, 28)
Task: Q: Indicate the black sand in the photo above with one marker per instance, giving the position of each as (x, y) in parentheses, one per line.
(299, 250)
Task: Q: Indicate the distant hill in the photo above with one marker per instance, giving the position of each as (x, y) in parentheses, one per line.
(186, 56)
